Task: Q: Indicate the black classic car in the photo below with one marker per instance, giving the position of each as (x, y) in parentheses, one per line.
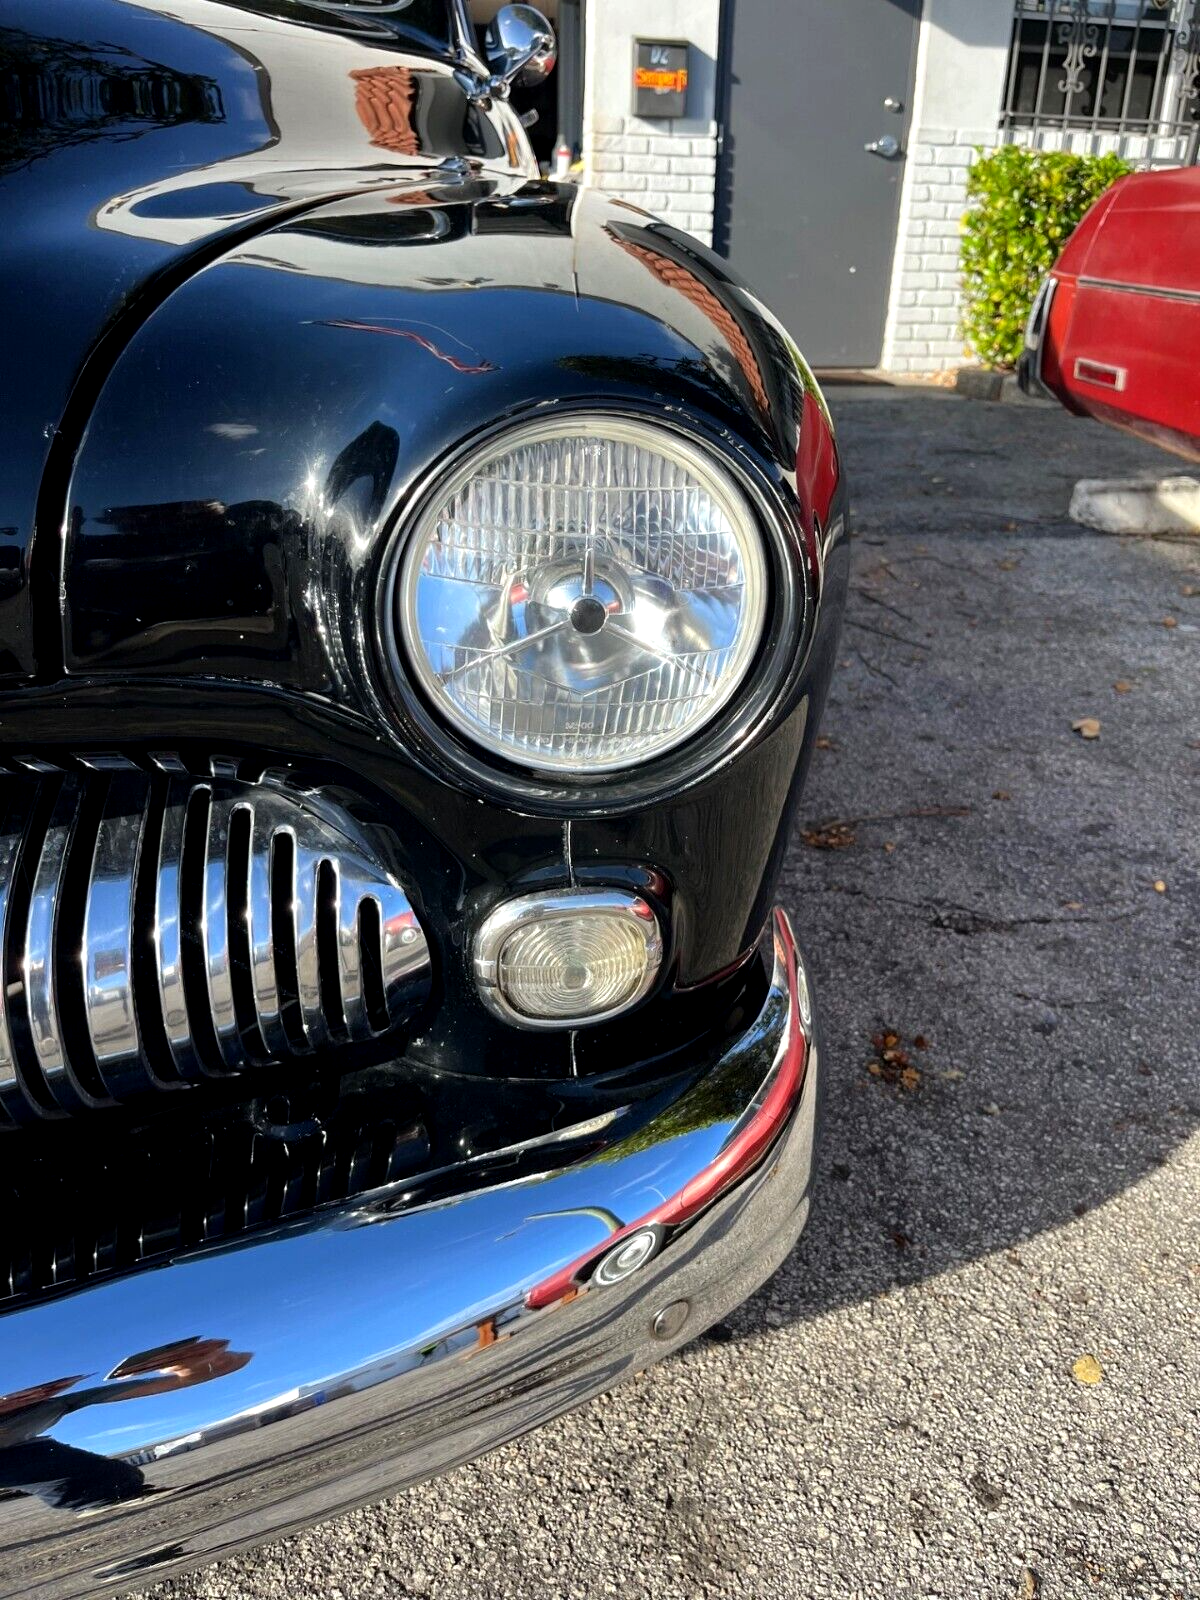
(419, 586)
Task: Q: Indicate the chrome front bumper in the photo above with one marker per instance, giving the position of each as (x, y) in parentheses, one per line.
(161, 1420)
(1029, 365)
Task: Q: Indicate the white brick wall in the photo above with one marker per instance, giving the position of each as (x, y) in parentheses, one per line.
(667, 165)
(923, 332)
(673, 174)
(961, 69)
(924, 324)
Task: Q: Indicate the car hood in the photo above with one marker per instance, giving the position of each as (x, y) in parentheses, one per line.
(136, 144)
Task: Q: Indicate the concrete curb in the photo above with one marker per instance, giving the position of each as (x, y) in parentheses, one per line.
(1138, 505)
(981, 383)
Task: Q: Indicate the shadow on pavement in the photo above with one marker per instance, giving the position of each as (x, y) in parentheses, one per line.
(971, 875)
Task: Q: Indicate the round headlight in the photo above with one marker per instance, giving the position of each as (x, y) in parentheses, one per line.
(584, 594)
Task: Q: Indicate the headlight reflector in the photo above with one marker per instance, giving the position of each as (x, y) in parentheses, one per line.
(584, 594)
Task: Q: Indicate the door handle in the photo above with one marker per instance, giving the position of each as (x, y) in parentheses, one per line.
(887, 147)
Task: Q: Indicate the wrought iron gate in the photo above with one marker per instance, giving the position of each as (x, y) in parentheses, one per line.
(1116, 67)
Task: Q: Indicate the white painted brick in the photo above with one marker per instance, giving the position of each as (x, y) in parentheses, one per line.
(927, 211)
(948, 229)
(671, 183)
(918, 314)
(681, 127)
(935, 297)
(913, 347)
(953, 155)
(621, 143)
(657, 164)
(633, 182)
(702, 187)
(704, 147)
(604, 122)
(606, 162)
(692, 166)
(662, 144)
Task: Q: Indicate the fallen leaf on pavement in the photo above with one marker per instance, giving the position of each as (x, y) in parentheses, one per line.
(1087, 727)
(1001, 794)
(1190, 590)
(1031, 1584)
(1122, 686)
(1087, 1369)
(1008, 566)
(1160, 886)
(825, 743)
(1170, 622)
(889, 846)
(893, 1064)
(832, 836)
(1072, 905)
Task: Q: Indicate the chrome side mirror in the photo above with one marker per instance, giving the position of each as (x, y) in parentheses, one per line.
(520, 46)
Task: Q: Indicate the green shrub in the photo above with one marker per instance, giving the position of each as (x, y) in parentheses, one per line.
(1025, 204)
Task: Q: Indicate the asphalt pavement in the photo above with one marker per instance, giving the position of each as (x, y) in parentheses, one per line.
(979, 1373)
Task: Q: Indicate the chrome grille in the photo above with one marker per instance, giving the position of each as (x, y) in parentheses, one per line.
(162, 926)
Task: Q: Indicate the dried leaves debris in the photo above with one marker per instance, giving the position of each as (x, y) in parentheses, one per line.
(892, 1063)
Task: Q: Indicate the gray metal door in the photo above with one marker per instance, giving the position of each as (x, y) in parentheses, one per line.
(815, 126)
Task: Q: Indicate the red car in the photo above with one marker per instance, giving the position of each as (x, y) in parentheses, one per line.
(1115, 330)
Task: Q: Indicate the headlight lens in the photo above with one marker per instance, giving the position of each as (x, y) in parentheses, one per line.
(584, 595)
(566, 958)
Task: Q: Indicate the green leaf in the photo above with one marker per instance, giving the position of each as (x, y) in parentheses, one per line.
(1025, 205)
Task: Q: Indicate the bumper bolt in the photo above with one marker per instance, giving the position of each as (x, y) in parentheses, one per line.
(668, 1324)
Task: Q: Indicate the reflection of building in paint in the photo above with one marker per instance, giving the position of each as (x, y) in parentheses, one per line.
(383, 98)
(679, 277)
(324, 114)
(52, 94)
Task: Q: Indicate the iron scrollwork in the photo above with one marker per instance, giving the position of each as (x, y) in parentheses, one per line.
(1187, 53)
(1081, 35)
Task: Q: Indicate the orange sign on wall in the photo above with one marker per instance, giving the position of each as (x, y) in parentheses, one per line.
(660, 78)
(661, 81)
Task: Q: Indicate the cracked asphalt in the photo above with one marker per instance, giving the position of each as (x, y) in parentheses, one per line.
(896, 1414)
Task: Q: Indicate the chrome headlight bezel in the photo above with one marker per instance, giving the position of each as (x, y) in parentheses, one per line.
(784, 637)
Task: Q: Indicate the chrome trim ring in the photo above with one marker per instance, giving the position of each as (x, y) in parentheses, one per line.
(415, 723)
(500, 924)
(706, 470)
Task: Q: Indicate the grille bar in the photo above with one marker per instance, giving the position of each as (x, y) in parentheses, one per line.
(108, 938)
(159, 929)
